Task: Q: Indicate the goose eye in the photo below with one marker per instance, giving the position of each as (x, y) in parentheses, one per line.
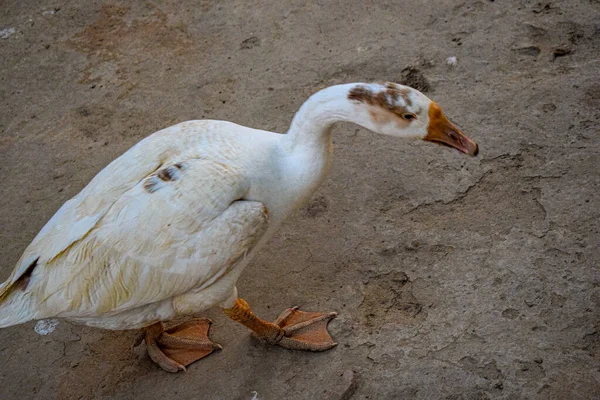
(409, 116)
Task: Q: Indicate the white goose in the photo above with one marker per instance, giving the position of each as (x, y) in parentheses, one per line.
(166, 229)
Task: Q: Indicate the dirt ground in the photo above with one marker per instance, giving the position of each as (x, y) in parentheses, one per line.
(454, 278)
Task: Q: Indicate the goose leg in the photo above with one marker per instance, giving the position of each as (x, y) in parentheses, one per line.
(174, 348)
(293, 329)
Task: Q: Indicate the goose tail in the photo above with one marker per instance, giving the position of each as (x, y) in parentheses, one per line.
(15, 305)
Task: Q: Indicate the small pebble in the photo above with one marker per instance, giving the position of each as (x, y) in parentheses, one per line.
(6, 33)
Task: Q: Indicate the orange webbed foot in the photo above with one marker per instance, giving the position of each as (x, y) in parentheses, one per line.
(305, 330)
(174, 348)
(293, 329)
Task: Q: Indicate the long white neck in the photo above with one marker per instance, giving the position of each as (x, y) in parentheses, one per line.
(302, 157)
(312, 123)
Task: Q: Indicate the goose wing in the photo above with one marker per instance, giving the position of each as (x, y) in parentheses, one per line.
(147, 228)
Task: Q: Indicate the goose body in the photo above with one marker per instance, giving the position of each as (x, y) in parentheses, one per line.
(166, 229)
(155, 227)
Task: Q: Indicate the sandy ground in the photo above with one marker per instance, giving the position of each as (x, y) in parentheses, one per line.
(454, 278)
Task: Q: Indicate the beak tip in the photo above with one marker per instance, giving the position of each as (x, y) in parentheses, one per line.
(476, 152)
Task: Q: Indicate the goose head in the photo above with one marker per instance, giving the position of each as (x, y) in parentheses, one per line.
(402, 111)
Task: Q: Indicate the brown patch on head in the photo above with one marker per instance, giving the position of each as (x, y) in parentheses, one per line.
(385, 99)
(396, 92)
(405, 93)
(361, 93)
(386, 102)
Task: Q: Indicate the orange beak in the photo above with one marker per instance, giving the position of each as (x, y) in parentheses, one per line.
(442, 131)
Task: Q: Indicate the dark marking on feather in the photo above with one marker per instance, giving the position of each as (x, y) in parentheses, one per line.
(24, 279)
(170, 173)
(151, 185)
(165, 174)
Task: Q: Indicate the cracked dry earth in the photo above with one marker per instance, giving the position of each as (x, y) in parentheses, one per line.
(454, 278)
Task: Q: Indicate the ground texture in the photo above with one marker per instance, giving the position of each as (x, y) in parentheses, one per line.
(454, 278)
